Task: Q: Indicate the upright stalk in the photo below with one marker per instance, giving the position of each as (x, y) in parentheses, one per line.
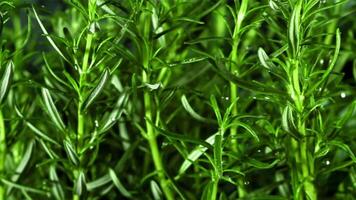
(82, 79)
(305, 164)
(2, 154)
(301, 149)
(81, 117)
(150, 130)
(233, 66)
(214, 192)
(240, 15)
(151, 137)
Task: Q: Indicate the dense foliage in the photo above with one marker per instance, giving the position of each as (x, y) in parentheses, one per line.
(178, 99)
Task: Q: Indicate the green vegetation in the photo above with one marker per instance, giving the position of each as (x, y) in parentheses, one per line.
(178, 99)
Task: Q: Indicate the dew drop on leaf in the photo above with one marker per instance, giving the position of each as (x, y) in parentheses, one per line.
(343, 95)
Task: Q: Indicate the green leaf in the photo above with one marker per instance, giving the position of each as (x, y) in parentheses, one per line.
(115, 114)
(72, 82)
(156, 190)
(97, 90)
(354, 70)
(207, 192)
(41, 134)
(344, 147)
(189, 20)
(24, 161)
(194, 155)
(80, 184)
(261, 165)
(253, 85)
(191, 111)
(247, 127)
(48, 37)
(56, 188)
(1, 24)
(216, 109)
(6, 81)
(327, 73)
(48, 67)
(71, 153)
(118, 184)
(264, 59)
(294, 27)
(184, 138)
(52, 110)
(99, 182)
(22, 187)
(346, 115)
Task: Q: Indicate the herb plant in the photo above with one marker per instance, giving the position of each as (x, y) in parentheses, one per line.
(148, 99)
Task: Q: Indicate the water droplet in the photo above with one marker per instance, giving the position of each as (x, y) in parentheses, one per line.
(113, 119)
(247, 182)
(267, 98)
(259, 150)
(91, 147)
(254, 97)
(327, 162)
(321, 61)
(322, 1)
(320, 89)
(343, 95)
(227, 98)
(96, 123)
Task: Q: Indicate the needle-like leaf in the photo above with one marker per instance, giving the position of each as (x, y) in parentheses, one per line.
(6, 81)
(52, 110)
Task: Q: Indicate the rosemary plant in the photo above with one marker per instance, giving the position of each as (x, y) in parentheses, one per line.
(200, 99)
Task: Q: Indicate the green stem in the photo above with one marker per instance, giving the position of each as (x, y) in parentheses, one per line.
(81, 116)
(233, 87)
(151, 137)
(304, 167)
(80, 128)
(87, 53)
(2, 154)
(214, 192)
(233, 66)
(82, 78)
